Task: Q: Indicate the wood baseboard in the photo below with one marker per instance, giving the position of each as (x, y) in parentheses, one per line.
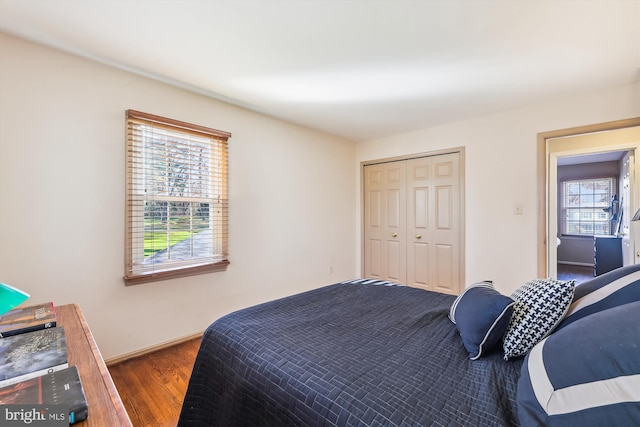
(147, 350)
(577, 264)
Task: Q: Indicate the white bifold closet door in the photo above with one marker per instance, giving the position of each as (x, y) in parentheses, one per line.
(412, 230)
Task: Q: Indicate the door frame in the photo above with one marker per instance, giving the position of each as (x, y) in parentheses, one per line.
(460, 151)
(547, 186)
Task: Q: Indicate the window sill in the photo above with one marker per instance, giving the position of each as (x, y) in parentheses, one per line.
(174, 274)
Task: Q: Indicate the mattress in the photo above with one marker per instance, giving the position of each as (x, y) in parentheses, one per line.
(352, 353)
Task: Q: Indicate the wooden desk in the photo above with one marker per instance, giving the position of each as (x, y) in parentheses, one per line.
(105, 406)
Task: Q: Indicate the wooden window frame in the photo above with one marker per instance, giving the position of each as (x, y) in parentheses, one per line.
(138, 197)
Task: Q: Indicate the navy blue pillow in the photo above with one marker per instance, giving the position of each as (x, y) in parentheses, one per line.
(482, 316)
(617, 287)
(586, 374)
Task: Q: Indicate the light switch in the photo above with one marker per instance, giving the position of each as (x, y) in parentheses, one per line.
(517, 209)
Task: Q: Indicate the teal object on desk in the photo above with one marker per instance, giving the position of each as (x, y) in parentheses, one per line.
(11, 297)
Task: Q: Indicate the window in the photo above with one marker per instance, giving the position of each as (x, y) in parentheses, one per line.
(583, 206)
(176, 202)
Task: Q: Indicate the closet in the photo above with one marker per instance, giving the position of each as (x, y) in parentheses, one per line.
(413, 221)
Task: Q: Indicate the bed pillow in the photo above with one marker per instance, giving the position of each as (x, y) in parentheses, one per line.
(481, 315)
(540, 305)
(617, 287)
(587, 374)
(454, 306)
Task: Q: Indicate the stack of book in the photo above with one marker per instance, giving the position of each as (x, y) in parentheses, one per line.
(34, 368)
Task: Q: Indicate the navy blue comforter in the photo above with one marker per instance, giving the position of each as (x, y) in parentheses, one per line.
(347, 355)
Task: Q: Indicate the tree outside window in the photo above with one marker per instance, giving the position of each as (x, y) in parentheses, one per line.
(176, 198)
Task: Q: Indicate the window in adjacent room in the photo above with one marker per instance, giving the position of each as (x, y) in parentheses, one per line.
(176, 202)
(586, 206)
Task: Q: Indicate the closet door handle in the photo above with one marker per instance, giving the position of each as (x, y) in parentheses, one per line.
(418, 236)
(394, 235)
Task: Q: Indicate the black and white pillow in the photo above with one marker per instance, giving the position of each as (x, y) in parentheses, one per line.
(540, 306)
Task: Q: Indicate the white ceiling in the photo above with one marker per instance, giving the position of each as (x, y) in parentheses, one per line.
(358, 69)
(609, 156)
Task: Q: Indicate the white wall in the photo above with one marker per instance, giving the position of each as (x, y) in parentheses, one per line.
(501, 172)
(295, 194)
(292, 199)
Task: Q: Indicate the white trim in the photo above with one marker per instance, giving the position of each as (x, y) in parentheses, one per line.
(454, 306)
(597, 393)
(493, 325)
(581, 396)
(602, 293)
(542, 387)
(584, 140)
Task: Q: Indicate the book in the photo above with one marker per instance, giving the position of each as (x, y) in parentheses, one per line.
(27, 319)
(32, 354)
(57, 388)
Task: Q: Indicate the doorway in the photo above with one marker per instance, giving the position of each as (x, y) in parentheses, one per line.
(621, 135)
(592, 210)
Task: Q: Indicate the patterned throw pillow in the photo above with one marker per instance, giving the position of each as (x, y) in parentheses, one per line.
(540, 305)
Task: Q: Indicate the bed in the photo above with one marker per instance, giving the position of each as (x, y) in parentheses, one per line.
(372, 353)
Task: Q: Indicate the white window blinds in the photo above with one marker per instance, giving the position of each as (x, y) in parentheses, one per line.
(176, 203)
(584, 204)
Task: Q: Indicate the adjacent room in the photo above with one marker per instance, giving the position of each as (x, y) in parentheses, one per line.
(174, 167)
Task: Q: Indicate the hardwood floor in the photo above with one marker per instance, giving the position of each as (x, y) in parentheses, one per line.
(152, 387)
(579, 273)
